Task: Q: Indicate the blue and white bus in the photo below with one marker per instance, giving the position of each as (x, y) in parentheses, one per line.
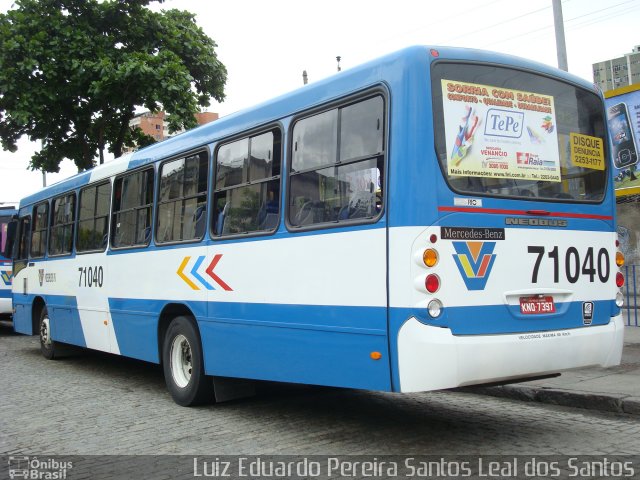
(432, 219)
(6, 214)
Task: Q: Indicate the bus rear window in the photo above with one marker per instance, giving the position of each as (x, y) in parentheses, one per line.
(512, 133)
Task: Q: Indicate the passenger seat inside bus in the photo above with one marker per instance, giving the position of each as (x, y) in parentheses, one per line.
(221, 217)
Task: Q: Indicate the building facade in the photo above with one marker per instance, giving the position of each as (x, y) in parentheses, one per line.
(618, 72)
(155, 125)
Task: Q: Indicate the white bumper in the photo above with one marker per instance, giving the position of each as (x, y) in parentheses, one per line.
(431, 358)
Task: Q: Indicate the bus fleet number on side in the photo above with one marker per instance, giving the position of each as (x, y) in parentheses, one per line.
(592, 265)
(91, 276)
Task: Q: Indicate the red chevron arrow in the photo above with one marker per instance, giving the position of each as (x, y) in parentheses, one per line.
(215, 277)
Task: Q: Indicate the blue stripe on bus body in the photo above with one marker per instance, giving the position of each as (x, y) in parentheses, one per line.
(325, 345)
(295, 355)
(22, 314)
(64, 318)
(314, 344)
(5, 292)
(505, 319)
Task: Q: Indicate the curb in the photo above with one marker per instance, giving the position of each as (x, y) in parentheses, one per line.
(566, 398)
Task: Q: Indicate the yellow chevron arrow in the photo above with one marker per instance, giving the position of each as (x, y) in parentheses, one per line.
(184, 263)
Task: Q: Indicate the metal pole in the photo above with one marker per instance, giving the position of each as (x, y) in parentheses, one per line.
(628, 299)
(44, 173)
(561, 47)
(635, 297)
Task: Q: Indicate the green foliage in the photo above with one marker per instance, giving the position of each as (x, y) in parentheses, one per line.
(72, 73)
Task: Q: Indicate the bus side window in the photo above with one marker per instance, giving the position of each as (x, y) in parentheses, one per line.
(182, 200)
(24, 234)
(62, 225)
(247, 186)
(21, 245)
(93, 217)
(326, 189)
(38, 244)
(133, 199)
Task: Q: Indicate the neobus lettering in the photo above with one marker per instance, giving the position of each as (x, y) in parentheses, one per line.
(536, 222)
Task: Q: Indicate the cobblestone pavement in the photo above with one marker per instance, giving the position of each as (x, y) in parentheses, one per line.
(93, 403)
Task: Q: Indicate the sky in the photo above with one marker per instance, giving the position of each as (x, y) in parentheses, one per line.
(267, 45)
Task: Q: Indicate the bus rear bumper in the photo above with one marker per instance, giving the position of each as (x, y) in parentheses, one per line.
(432, 358)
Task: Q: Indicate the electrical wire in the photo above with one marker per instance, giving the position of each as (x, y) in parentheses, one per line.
(569, 27)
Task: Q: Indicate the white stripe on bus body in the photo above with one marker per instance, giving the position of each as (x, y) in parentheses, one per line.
(510, 275)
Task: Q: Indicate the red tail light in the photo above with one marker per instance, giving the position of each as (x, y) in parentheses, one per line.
(432, 283)
(619, 279)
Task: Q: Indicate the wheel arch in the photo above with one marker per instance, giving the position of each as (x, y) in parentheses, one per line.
(36, 308)
(169, 312)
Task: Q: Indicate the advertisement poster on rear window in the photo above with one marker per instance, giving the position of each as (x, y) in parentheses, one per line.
(497, 132)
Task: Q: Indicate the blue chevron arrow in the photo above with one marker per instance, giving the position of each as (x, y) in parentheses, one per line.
(194, 272)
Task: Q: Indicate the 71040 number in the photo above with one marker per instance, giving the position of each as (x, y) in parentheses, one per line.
(593, 265)
(90, 276)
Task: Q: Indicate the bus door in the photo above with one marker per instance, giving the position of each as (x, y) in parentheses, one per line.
(5, 263)
(24, 277)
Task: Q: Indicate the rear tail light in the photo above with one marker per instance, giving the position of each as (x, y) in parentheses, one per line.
(619, 279)
(619, 259)
(430, 257)
(619, 299)
(432, 283)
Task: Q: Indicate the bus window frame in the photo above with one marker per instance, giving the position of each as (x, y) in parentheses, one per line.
(151, 167)
(254, 132)
(95, 185)
(381, 90)
(441, 166)
(156, 198)
(46, 241)
(73, 224)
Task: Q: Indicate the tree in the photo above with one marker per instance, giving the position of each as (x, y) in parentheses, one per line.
(73, 72)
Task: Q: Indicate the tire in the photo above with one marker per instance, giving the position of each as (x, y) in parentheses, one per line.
(47, 346)
(183, 364)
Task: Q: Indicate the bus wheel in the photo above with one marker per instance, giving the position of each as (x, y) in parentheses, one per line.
(47, 345)
(183, 364)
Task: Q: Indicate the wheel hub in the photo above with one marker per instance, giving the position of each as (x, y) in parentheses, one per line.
(181, 361)
(45, 332)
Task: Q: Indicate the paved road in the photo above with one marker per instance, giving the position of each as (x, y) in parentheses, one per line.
(94, 403)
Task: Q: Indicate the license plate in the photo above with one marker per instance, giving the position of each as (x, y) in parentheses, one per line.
(537, 305)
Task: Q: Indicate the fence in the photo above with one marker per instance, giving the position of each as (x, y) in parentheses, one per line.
(630, 307)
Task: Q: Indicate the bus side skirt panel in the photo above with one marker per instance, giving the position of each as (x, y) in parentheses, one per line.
(314, 357)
